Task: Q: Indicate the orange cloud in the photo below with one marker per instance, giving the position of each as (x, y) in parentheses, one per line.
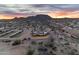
(54, 14)
(6, 17)
(9, 16)
(63, 14)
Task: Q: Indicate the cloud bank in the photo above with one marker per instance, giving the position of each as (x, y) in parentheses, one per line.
(24, 10)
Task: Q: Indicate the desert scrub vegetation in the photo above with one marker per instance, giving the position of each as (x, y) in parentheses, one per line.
(30, 52)
(40, 43)
(73, 52)
(33, 43)
(16, 42)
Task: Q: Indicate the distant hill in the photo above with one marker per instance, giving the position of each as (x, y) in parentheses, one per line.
(38, 19)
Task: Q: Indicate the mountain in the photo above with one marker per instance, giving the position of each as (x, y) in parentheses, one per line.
(33, 20)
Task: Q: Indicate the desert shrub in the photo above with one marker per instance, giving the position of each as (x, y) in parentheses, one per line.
(24, 39)
(51, 39)
(50, 45)
(54, 48)
(30, 52)
(42, 49)
(45, 44)
(16, 42)
(62, 50)
(33, 42)
(73, 52)
(51, 53)
(29, 38)
(66, 43)
(61, 38)
(40, 43)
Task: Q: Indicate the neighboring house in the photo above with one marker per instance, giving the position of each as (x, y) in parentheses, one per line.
(40, 33)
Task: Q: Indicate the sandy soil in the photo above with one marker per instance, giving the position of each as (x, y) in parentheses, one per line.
(6, 49)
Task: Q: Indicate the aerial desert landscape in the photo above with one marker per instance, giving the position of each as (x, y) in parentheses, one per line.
(39, 29)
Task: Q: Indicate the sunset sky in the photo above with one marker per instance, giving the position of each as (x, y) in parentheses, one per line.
(9, 11)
